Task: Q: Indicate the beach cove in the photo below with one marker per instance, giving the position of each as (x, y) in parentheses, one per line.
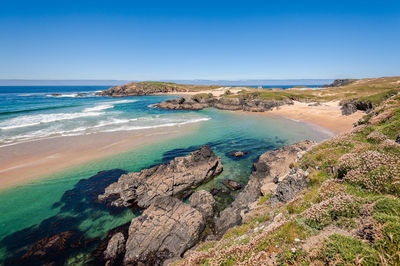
(43, 195)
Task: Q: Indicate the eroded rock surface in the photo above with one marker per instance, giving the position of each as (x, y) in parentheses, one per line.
(204, 202)
(178, 178)
(115, 247)
(269, 171)
(165, 230)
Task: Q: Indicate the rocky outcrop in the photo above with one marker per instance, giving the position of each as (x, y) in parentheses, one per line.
(224, 103)
(269, 171)
(340, 82)
(165, 230)
(351, 106)
(398, 139)
(177, 178)
(294, 182)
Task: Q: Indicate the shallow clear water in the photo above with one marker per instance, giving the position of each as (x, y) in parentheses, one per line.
(66, 200)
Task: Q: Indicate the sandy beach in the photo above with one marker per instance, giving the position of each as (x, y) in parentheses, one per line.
(327, 115)
(27, 161)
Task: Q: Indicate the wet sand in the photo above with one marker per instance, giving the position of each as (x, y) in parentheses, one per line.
(25, 162)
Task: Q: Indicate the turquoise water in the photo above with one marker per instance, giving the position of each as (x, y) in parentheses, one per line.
(66, 200)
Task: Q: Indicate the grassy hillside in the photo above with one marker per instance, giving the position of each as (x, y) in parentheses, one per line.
(373, 90)
(149, 85)
(350, 212)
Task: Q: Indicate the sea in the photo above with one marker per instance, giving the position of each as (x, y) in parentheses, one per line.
(66, 200)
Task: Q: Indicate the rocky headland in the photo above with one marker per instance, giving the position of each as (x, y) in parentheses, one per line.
(199, 102)
(150, 88)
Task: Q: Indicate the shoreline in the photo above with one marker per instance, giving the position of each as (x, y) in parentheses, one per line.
(327, 115)
(33, 160)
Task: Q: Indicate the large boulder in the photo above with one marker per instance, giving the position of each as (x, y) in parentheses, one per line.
(204, 202)
(177, 178)
(270, 169)
(165, 230)
(115, 247)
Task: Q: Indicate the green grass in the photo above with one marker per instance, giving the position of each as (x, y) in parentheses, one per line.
(345, 250)
(378, 98)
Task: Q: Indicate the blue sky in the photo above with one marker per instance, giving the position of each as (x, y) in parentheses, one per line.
(152, 40)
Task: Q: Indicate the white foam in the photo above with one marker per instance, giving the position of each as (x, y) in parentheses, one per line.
(68, 95)
(32, 120)
(98, 108)
(128, 128)
(123, 101)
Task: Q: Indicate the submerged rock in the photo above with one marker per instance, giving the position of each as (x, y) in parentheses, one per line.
(51, 250)
(238, 154)
(166, 229)
(269, 171)
(177, 178)
(232, 184)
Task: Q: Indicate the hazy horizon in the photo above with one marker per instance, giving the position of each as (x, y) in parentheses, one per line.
(87, 82)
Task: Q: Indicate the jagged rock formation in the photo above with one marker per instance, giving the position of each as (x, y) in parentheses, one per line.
(178, 178)
(270, 171)
(224, 103)
(165, 230)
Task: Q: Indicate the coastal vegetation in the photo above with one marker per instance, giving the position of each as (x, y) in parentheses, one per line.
(348, 214)
(368, 90)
